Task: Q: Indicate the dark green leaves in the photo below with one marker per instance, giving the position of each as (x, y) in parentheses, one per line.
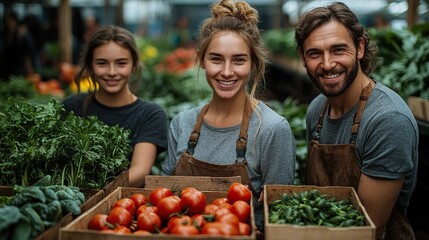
(35, 140)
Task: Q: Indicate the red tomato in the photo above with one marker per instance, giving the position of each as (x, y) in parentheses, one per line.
(229, 218)
(118, 229)
(210, 209)
(98, 222)
(146, 208)
(164, 230)
(242, 210)
(199, 220)
(149, 221)
(243, 228)
(238, 191)
(186, 190)
(193, 202)
(179, 220)
(120, 216)
(221, 211)
(139, 199)
(126, 203)
(220, 200)
(225, 205)
(156, 194)
(142, 233)
(185, 230)
(219, 228)
(167, 206)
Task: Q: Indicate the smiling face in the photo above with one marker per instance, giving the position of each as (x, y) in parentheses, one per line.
(112, 65)
(227, 64)
(331, 58)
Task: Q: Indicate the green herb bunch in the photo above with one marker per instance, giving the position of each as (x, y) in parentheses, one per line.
(40, 139)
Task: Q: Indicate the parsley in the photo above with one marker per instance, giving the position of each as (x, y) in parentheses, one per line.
(39, 139)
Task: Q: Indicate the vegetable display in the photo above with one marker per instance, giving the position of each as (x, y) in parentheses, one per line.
(314, 208)
(34, 209)
(185, 212)
(40, 139)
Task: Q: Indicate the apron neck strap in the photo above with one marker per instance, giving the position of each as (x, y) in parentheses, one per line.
(242, 139)
(363, 99)
(193, 139)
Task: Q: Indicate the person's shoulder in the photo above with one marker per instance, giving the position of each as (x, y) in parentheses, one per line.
(315, 106)
(269, 116)
(74, 100)
(74, 97)
(189, 112)
(148, 104)
(388, 100)
(317, 102)
(188, 115)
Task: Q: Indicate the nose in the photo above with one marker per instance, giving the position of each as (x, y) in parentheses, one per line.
(227, 70)
(327, 62)
(112, 70)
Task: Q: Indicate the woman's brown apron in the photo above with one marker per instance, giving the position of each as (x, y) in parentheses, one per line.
(336, 165)
(188, 165)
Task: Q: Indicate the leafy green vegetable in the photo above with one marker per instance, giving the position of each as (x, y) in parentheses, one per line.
(405, 61)
(38, 140)
(33, 209)
(295, 112)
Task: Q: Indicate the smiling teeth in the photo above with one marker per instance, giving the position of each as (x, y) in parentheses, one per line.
(332, 76)
(227, 83)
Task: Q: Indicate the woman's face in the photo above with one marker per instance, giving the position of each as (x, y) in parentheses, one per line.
(227, 64)
(112, 65)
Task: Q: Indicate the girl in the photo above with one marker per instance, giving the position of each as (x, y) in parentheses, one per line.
(110, 60)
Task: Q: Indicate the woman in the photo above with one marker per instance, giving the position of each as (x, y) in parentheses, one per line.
(110, 60)
(235, 133)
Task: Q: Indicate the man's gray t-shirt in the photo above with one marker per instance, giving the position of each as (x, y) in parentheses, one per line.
(387, 140)
(270, 154)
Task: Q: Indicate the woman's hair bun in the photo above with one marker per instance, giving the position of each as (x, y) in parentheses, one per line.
(238, 9)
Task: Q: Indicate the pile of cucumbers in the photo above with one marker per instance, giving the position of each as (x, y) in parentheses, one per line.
(313, 208)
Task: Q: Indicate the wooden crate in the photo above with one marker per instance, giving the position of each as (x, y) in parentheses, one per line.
(121, 180)
(77, 229)
(201, 183)
(92, 197)
(295, 232)
(419, 107)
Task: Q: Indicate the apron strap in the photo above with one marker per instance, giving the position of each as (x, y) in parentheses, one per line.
(241, 146)
(363, 99)
(319, 123)
(242, 139)
(193, 139)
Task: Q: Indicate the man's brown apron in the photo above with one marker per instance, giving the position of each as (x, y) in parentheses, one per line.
(188, 165)
(336, 165)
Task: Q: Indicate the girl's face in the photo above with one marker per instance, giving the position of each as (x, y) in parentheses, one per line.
(113, 66)
(227, 64)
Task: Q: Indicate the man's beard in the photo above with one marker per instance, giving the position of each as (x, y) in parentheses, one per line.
(349, 79)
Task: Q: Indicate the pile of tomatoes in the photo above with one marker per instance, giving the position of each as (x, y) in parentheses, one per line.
(187, 213)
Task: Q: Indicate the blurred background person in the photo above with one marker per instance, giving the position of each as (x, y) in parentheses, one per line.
(18, 50)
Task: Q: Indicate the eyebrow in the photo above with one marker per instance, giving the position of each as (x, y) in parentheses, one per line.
(104, 59)
(331, 47)
(235, 55)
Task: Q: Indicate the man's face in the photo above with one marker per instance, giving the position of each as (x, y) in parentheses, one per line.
(331, 58)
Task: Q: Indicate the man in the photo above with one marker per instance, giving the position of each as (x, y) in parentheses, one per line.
(362, 133)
